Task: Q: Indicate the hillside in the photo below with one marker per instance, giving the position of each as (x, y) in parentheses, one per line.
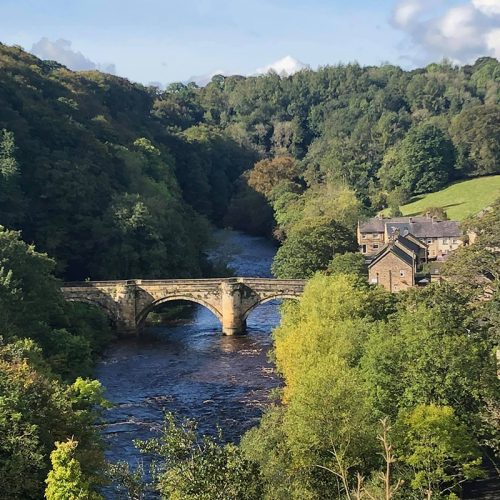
(99, 178)
(117, 180)
(459, 200)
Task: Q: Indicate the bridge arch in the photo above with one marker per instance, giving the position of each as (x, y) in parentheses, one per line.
(110, 311)
(141, 317)
(268, 299)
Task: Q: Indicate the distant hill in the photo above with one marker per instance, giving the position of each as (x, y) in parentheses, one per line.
(459, 200)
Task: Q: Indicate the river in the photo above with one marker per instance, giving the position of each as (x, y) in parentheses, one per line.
(190, 368)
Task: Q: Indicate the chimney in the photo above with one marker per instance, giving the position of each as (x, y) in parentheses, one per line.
(410, 219)
(394, 236)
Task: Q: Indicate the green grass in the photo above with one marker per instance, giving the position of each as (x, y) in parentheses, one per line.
(459, 200)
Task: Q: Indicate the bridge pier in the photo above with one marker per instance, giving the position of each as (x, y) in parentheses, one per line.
(233, 322)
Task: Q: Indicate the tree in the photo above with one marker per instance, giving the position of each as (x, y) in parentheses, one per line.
(267, 175)
(432, 351)
(439, 450)
(348, 263)
(10, 194)
(326, 418)
(308, 250)
(398, 197)
(477, 265)
(199, 467)
(475, 133)
(438, 212)
(422, 162)
(35, 410)
(66, 480)
(31, 305)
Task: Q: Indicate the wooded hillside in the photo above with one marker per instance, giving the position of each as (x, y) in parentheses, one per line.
(117, 180)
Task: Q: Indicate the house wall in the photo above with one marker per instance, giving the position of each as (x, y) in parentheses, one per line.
(441, 246)
(370, 243)
(387, 272)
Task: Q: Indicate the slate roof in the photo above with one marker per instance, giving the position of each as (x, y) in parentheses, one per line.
(421, 227)
(409, 244)
(407, 256)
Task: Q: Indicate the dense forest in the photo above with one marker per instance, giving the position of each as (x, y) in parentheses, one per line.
(95, 175)
(99, 172)
(102, 178)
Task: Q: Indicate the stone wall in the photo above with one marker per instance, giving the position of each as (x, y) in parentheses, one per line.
(392, 273)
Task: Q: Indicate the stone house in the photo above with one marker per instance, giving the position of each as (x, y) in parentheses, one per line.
(395, 266)
(439, 237)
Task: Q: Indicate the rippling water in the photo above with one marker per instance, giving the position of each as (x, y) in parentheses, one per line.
(191, 369)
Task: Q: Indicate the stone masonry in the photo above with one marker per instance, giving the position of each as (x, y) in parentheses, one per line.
(128, 303)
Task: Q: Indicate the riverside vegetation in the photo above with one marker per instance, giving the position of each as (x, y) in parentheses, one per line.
(384, 397)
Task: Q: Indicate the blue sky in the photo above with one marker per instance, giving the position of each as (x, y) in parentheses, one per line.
(164, 41)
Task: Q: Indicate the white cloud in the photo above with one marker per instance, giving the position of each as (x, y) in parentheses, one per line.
(284, 67)
(493, 41)
(202, 80)
(461, 33)
(61, 51)
(488, 7)
(406, 11)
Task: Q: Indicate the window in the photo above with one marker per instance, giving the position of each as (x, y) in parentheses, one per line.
(363, 248)
(445, 241)
(363, 235)
(455, 240)
(375, 246)
(402, 273)
(376, 236)
(429, 240)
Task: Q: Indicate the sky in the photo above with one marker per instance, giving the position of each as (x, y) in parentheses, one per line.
(165, 40)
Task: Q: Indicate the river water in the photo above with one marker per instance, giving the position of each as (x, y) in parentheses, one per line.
(190, 368)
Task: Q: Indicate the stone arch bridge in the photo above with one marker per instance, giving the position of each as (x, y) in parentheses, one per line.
(129, 302)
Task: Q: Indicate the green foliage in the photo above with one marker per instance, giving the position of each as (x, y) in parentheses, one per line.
(93, 148)
(397, 197)
(437, 212)
(310, 249)
(348, 263)
(31, 305)
(249, 211)
(327, 419)
(422, 162)
(114, 180)
(10, 194)
(268, 176)
(432, 351)
(128, 483)
(35, 411)
(66, 480)
(350, 358)
(438, 449)
(476, 132)
(97, 148)
(193, 467)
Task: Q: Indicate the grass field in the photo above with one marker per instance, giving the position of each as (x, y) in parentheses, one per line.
(460, 199)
